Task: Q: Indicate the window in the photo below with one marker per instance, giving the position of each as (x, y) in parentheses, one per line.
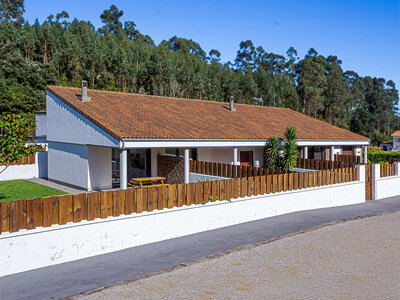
(180, 152)
(397, 140)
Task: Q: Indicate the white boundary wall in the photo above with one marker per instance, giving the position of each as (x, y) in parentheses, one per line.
(38, 169)
(384, 187)
(26, 250)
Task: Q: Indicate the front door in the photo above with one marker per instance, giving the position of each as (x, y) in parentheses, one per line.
(246, 158)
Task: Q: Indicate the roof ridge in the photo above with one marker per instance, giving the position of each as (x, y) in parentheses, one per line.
(166, 97)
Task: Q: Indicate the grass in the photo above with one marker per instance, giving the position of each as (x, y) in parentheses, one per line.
(22, 189)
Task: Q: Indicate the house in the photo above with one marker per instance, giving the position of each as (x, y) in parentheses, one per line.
(97, 138)
(386, 146)
(396, 140)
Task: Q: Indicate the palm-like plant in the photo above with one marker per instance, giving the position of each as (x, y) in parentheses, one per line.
(272, 152)
(290, 148)
(287, 161)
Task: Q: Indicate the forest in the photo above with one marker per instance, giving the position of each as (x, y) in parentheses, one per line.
(118, 57)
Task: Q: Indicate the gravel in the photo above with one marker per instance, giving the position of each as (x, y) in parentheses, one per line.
(355, 259)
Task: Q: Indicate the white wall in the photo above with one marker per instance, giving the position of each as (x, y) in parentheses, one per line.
(26, 250)
(38, 169)
(225, 155)
(41, 127)
(67, 126)
(68, 163)
(396, 142)
(384, 187)
(100, 168)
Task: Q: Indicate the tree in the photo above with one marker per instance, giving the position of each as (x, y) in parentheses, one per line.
(110, 17)
(11, 11)
(281, 154)
(14, 130)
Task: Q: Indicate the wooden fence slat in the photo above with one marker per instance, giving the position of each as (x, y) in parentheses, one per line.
(141, 201)
(256, 185)
(243, 187)
(301, 180)
(151, 198)
(268, 184)
(4, 216)
(229, 189)
(207, 191)
(181, 194)
(130, 201)
(80, 209)
(236, 188)
(222, 190)
(172, 200)
(295, 181)
(274, 183)
(93, 200)
(198, 192)
(250, 186)
(290, 183)
(263, 184)
(106, 204)
(285, 182)
(50, 211)
(65, 210)
(162, 197)
(34, 213)
(214, 190)
(17, 215)
(118, 202)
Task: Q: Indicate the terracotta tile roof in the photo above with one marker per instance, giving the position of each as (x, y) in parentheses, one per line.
(152, 117)
(396, 133)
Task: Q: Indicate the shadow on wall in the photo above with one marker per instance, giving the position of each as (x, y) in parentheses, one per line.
(42, 164)
(172, 168)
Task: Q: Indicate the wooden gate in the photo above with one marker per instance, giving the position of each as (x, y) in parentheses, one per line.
(368, 182)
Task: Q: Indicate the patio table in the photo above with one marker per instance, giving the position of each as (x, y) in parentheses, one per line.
(148, 181)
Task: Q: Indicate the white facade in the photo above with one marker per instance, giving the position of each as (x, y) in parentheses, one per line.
(38, 169)
(396, 143)
(27, 250)
(226, 155)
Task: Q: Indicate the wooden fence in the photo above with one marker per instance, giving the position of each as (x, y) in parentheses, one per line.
(26, 160)
(29, 214)
(393, 159)
(388, 170)
(229, 171)
(348, 158)
(318, 164)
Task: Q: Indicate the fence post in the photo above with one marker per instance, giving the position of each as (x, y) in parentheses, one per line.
(397, 165)
(376, 172)
(361, 172)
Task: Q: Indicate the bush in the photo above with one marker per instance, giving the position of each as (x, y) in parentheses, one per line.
(381, 156)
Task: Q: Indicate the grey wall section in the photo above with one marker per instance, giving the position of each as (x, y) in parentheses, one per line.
(42, 161)
(68, 163)
(65, 125)
(100, 167)
(41, 127)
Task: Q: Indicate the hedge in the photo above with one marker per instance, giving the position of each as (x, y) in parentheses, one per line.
(381, 156)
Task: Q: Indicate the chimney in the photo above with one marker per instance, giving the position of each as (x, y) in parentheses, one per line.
(231, 101)
(84, 96)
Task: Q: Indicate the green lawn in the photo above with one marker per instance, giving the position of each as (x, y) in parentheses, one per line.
(22, 189)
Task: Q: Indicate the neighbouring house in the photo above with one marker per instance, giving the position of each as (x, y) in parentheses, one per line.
(396, 140)
(386, 146)
(97, 139)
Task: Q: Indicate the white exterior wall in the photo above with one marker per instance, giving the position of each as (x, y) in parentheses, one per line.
(100, 168)
(26, 250)
(384, 187)
(396, 143)
(68, 163)
(225, 155)
(38, 169)
(65, 125)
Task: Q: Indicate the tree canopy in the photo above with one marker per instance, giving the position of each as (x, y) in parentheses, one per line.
(119, 57)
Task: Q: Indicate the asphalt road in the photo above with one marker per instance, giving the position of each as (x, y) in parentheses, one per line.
(72, 278)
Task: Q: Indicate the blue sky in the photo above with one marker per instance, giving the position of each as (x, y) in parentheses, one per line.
(363, 34)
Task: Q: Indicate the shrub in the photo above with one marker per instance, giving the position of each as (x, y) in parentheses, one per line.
(381, 156)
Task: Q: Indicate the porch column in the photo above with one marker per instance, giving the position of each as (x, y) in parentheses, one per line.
(186, 162)
(305, 152)
(235, 156)
(123, 169)
(365, 154)
(332, 153)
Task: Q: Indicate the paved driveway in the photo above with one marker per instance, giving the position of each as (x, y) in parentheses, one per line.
(83, 275)
(353, 260)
